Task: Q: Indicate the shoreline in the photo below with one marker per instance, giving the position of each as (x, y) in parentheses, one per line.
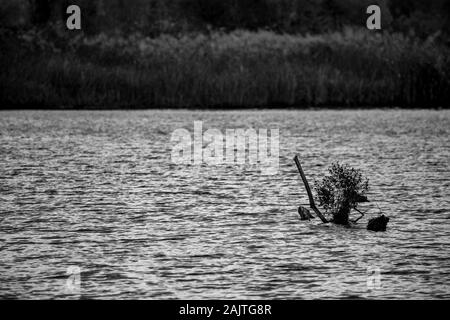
(231, 109)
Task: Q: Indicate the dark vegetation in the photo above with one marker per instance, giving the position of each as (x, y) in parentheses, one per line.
(341, 191)
(219, 53)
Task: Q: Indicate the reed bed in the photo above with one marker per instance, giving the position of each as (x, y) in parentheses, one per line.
(352, 68)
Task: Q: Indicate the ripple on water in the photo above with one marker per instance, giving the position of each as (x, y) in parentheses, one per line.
(97, 190)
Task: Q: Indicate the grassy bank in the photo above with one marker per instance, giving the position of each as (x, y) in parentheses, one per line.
(239, 69)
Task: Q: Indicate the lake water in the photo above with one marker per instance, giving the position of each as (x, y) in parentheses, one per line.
(96, 192)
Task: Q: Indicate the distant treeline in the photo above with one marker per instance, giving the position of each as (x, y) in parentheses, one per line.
(353, 68)
(153, 17)
(224, 53)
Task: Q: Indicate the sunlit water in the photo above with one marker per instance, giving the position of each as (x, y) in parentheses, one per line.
(98, 191)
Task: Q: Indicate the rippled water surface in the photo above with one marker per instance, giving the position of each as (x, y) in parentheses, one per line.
(98, 191)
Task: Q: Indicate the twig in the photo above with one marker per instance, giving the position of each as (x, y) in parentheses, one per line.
(362, 215)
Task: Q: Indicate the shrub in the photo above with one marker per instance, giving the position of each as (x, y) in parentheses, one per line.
(341, 191)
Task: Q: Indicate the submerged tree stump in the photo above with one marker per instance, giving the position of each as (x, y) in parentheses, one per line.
(348, 198)
(341, 216)
(378, 223)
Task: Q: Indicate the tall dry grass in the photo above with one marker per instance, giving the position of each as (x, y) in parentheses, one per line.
(238, 69)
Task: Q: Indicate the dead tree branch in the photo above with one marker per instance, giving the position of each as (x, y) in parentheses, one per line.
(308, 191)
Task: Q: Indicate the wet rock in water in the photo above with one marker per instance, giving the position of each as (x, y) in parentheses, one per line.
(378, 224)
(304, 213)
